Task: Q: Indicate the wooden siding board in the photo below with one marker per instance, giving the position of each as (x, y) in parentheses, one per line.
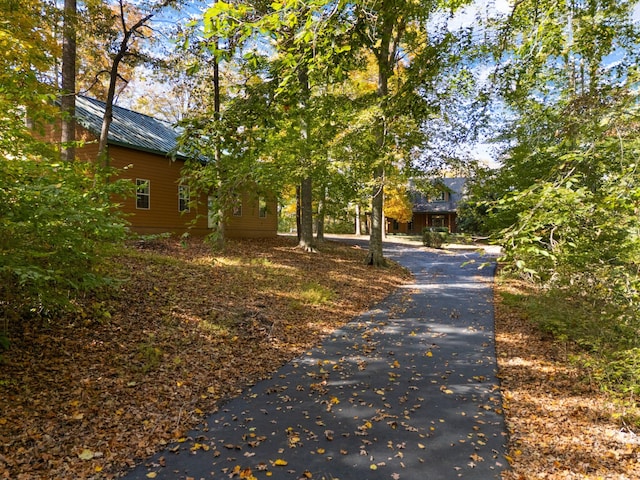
(250, 224)
(163, 174)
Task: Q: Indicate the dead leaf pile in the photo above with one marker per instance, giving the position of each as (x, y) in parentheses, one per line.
(561, 426)
(87, 396)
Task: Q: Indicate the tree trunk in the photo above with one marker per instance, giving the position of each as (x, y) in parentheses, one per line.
(103, 155)
(306, 186)
(306, 212)
(68, 99)
(220, 239)
(358, 230)
(298, 213)
(321, 216)
(375, 256)
(385, 56)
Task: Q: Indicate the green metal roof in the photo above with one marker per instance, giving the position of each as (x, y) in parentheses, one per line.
(128, 128)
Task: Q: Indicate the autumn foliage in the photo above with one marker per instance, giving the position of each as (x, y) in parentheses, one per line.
(90, 394)
(398, 205)
(561, 424)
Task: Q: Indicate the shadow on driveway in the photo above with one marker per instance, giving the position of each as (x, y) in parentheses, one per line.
(407, 390)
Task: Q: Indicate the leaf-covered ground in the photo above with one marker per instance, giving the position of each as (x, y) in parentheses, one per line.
(90, 395)
(561, 425)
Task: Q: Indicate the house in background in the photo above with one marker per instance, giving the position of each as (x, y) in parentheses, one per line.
(435, 210)
(144, 149)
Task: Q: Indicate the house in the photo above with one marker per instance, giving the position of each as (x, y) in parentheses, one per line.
(144, 149)
(434, 210)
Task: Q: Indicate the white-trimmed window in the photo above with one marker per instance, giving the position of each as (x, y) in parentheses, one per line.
(184, 198)
(262, 207)
(143, 194)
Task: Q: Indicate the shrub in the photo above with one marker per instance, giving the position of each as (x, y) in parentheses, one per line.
(57, 225)
(434, 237)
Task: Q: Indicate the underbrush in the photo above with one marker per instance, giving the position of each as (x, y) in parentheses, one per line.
(603, 342)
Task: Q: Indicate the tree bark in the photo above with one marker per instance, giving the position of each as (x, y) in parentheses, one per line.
(321, 216)
(306, 186)
(384, 56)
(220, 239)
(68, 98)
(375, 256)
(298, 213)
(306, 213)
(128, 32)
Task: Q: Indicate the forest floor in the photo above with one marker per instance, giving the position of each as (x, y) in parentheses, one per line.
(561, 424)
(92, 394)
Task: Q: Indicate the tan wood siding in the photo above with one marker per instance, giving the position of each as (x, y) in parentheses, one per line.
(250, 224)
(163, 175)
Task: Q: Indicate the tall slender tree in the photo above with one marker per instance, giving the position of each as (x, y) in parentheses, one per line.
(68, 96)
(566, 208)
(402, 36)
(132, 28)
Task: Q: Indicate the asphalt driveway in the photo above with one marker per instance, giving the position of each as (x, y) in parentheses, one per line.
(407, 390)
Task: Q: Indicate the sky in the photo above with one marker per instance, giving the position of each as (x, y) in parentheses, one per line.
(468, 17)
(486, 152)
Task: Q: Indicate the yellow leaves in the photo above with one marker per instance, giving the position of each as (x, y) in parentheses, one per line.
(373, 466)
(476, 458)
(199, 446)
(421, 446)
(243, 473)
(429, 354)
(86, 454)
(293, 440)
(142, 411)
(397, 204)
(280, 463)
(446, 390)
(152, 475)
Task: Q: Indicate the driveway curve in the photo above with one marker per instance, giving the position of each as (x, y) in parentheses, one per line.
(408, 390)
